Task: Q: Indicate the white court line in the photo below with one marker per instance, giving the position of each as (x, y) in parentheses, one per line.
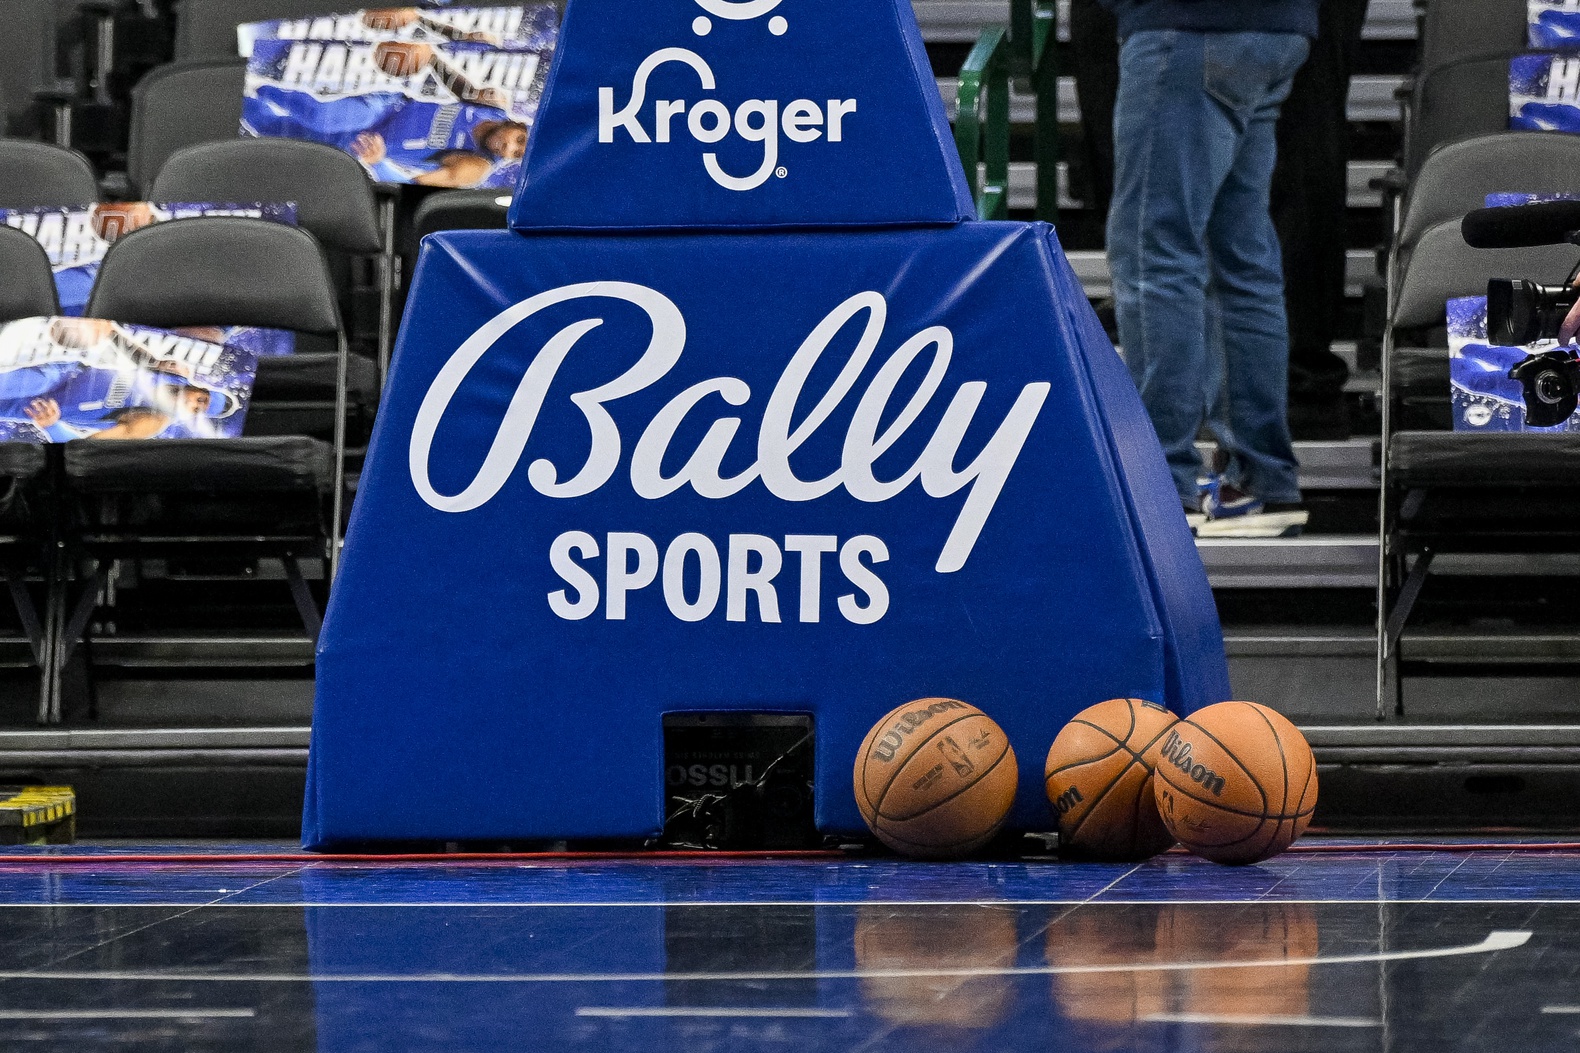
(1261, 1021)
(127, 1014)
(672, 904)
(614, 1013)
(1554, 1009)
(1501, 940)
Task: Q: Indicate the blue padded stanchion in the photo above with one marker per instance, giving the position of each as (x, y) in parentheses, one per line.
(816, 444)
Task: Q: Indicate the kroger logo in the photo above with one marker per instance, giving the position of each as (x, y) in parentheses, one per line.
(711, 120)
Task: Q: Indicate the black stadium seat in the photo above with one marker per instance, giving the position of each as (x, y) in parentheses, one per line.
(1450, 491)
(27, 68)
(179, 105)
(28, 290)
(334, 199)
(41, 175)
(207, 28)
(260, 496)
(26, 496)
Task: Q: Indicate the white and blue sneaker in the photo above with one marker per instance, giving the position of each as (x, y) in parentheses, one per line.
(1231, 512)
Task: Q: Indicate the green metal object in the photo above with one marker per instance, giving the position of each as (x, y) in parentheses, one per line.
(1025, 54)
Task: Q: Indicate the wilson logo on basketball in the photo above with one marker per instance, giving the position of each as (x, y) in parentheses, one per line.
(1067, 800)
(1177, 752)
(889, 745)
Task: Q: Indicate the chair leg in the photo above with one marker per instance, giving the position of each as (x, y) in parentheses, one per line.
(72, 630)
(306, 608)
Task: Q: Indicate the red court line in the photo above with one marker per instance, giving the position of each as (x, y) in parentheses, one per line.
(509, 858)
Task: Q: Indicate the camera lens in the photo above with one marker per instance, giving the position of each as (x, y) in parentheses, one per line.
(1551, 386)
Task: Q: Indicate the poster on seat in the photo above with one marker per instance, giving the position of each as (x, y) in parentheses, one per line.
(1553, 24)
(1544, 93)
(451, 115)
(76, 239)
(515, 27)
(1533, 387)
(85, 378)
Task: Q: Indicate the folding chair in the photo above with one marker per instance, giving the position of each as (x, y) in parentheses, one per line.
(1456, 178)
(1456, 101)
(179, 105)
(1445, 491)
(334, 198)
(27, 519)
(207, 28)
(259, 496)
(41, 175)
(1455, 30)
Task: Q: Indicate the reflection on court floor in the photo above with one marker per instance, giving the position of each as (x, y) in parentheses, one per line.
(1330, 954)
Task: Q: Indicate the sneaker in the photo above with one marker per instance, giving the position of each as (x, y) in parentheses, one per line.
(1233, 513)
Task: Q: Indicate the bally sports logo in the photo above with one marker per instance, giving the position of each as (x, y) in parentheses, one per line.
(794, 411)
(710, 121)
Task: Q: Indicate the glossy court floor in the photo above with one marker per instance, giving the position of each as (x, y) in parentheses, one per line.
(1372, 949)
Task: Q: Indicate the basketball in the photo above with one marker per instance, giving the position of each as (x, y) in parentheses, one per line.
(1099, 781)
(935, 778)
(1236, 783)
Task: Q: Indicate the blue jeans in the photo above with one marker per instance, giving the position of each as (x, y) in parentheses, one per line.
(1198, 283)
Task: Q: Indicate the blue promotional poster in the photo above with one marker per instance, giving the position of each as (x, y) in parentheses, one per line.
(1511, 200)
(1505, 388)
(452, 115)
(523, 27)
(1544, 93)
(76, 239)
(650, 453)
(1554, 24)
(84, 378)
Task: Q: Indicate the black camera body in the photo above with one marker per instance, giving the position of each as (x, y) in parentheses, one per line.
(1521, 312)
(1552, 386)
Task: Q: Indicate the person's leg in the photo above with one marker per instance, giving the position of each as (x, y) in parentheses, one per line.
(1247, 272)
(1310, 201)
(1174, 145)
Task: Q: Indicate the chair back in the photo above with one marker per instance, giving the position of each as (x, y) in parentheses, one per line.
(39, 175)
(1443, 267)
(207, 28)
(1458, 101)
(28, 290)
(333, 194)
(1457, 177)
(459, 210)
(217, 271)
(1455, 30)
(179, 105)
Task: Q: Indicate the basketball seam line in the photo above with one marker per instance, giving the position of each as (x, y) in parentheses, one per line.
(1118, 745)
(1098, 799)
(1136, 758)
(1283, 761)
(939, 804)
(1238, 763)
(877, 806)
(1113, 782)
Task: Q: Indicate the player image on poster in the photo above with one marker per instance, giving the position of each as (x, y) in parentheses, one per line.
(517, 27)
(1491, 385)
(456, 115)
(76, 239)
(1554, 24)
(85, 378)
(1544, 93)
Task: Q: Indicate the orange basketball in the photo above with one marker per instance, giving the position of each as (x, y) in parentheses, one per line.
(935, 778)
(1236, 782)
(1099, 781)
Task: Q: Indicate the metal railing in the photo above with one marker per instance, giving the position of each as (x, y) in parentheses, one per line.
(1022, 52)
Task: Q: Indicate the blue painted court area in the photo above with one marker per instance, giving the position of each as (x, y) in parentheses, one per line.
(1370, 948)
